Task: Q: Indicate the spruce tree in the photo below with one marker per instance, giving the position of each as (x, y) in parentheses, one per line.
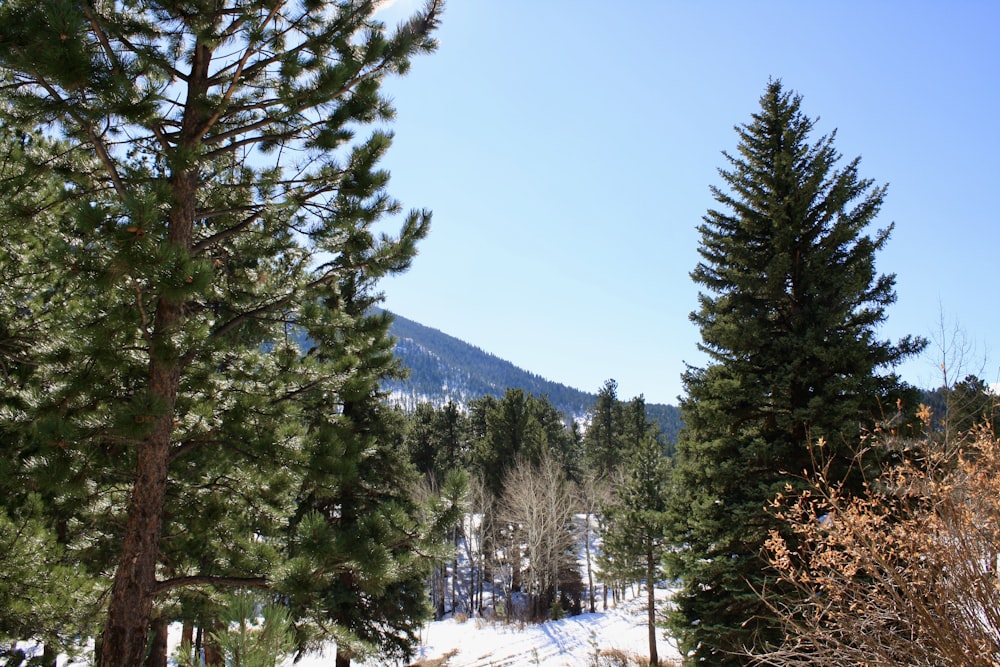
(789, 312)
(635, 522)
(603, 442)
(229, 181)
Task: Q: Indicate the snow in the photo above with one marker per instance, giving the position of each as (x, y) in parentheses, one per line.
(570, 642)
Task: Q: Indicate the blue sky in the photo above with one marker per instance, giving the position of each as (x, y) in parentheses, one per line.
(567, 147)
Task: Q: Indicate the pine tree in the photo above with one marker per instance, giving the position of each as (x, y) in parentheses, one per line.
(635, 522)
(48, 577)
(519, 425)
(368, 543)
(229, 182)
(788, 321)
(603, 441)
(438, 439)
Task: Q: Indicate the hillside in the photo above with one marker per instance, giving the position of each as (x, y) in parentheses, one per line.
(444, 368)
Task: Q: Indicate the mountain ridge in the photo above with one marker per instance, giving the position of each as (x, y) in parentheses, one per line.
(444, 368)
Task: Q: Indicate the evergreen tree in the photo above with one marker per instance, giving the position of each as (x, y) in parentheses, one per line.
(49, 577)
(957, 409)
(438, 439)
(788, 321)
(603, 441)
(364, 546)
(518, 426)
(451, 427)
(420, 440)
(229, 183)
(635, 523)
(367, 545)
(44, 596)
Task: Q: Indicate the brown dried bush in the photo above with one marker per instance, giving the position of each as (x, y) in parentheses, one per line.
(905, 574)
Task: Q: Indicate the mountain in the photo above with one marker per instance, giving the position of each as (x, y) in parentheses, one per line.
(444, 368)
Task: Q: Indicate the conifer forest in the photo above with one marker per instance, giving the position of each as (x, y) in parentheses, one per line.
(201, 463)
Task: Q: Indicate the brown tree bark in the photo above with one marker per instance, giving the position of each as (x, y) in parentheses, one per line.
(157, 654)
(124, 636)
(134, 587)
(187, 633)
(214, 656)
(654, 659)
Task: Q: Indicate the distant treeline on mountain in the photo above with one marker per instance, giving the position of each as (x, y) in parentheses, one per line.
(444, 368)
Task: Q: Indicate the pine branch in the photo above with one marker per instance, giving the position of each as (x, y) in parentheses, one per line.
(210, 580)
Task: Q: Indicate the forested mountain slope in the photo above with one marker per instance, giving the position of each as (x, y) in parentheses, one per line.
(444, 368)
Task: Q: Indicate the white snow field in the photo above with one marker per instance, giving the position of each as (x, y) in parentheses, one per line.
(571, 642)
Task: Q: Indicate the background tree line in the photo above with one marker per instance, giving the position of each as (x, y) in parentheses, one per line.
(538, 487)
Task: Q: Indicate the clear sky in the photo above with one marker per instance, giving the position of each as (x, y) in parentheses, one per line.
(567, 147)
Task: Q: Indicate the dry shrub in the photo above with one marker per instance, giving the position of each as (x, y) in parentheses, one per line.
(460, 617)
(903, 575)
(614, 657)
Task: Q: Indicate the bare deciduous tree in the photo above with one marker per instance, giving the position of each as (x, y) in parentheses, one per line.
(592, 492)
(539, 505)
(905, 575)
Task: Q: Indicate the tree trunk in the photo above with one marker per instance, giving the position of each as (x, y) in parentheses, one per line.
(124, 636)
(442, 590)
(187, 633)
(515, 563)
(654, 659)
(157, 656)
(199, 642)
(213, 652)
(131, 603)
(454, 574)
(343, 659)
(438, 594)
(49, 656)
(590, 570)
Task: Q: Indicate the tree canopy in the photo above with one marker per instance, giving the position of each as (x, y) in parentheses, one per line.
(218, 190)
(789, 313)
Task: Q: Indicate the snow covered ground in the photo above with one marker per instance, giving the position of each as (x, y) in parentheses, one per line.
(570, 642)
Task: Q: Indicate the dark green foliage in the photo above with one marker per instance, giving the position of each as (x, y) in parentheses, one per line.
(253, 632)
(788, 321)
(50, 574)
(438, 440)
(212, 192)
(44, 595)
(604, 441)
(363, 545)
(518, 426)
(616, 427)
(635, 523)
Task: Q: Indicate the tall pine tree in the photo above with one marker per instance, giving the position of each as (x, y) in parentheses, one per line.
(230, 180)
(635, 522)
(603, 442)
(788, 318)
